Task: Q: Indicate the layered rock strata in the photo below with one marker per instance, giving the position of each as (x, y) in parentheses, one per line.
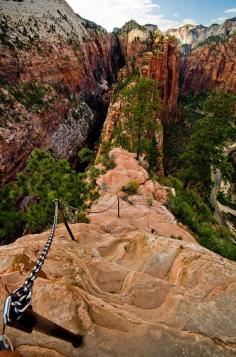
(210, 67)
(155, 56)
(48, 43)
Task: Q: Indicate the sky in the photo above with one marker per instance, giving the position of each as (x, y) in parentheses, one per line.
(164, 13)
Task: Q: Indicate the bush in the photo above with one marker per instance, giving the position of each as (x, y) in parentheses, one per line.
(105, 160)
(82, 218)
(86, 156)
(149, 201)
(131, 188)
(93, 174)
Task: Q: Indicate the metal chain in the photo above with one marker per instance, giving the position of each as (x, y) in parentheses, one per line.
(21, 298)
(71, 208)
(74, 209)
(106, 209)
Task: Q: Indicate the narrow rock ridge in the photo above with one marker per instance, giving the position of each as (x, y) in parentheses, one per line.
(127, 283)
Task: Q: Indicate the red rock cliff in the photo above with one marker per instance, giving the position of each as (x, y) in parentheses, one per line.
(210, 67)
(156, 57)
(48, 43)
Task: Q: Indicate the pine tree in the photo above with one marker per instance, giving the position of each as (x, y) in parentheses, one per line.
(205, 148)
(142, 101)
(153, 155)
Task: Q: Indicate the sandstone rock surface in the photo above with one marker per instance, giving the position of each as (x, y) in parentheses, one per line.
(129, 291)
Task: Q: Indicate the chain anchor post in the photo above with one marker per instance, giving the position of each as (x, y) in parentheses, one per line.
(65, 221)
(118, 207)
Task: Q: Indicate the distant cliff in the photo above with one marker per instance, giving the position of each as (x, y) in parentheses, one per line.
(155, 56)
(208, 57)
(211, 66)
(190, 36)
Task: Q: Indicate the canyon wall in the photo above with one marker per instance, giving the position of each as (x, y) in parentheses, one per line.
(208, 56)
(190, 36)
(209, 67)
(155, 56)
(48, 43)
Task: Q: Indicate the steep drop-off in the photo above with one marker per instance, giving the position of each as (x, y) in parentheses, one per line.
(155, 56)
(47, 43)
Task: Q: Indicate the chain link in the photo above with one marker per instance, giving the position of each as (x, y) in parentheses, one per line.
(71, 208)
(21, 298)
(106, 209)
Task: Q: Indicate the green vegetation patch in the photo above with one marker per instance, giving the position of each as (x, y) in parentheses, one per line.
(191, 209)
(36, 97)
(131, 188)
(215, 40)
(129, 26)
(44, 180)
(206, 131)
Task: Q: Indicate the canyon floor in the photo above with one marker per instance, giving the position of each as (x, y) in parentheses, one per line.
(138, 285)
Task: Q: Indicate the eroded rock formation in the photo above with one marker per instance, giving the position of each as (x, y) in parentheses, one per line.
(51, 44)
(208, 56)
(128, 290)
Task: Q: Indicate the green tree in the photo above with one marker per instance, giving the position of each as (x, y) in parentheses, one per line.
(142, 101)
(86, 156)
(49, 179)
(12, 221)
(192, 210)
(46, 179)
(153, 155)
(205, 147)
